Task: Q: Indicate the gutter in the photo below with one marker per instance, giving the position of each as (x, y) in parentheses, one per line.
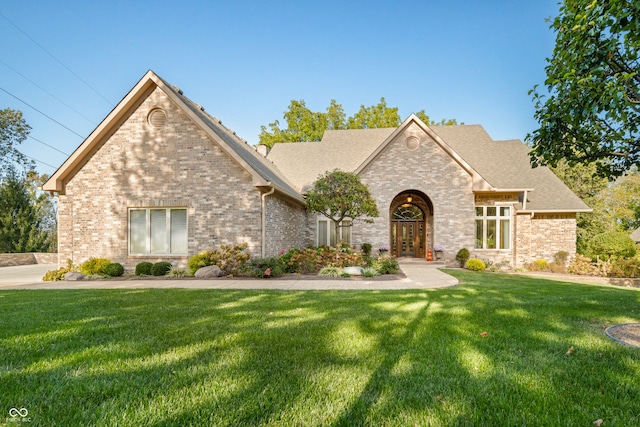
(264, 217)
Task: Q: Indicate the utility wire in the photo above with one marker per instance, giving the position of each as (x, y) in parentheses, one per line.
(40, 161)
(57, 60)
(49, 117)
(46, 91)
(50, 146)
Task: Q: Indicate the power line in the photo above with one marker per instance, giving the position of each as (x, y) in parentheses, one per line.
(49, 117)
(46, 91)
(40, 161)
(50, 146)
(57, 60)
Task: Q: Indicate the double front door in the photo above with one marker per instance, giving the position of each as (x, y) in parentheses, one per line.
(407, 238)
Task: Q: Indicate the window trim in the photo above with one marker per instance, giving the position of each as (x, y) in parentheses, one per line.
(498, 219)
(168, 221)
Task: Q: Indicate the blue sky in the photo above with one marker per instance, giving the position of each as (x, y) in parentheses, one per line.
(245, 60)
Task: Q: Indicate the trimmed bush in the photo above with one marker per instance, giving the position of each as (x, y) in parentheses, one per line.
(263, 267)
(57, 275)
(144, 269)
(228, 258)
(561, 257)
(612, 244)
(161, 268)
(462, 256)
(114, 270)
(475, 264)
(94, 266)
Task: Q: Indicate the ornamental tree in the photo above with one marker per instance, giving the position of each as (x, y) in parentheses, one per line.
(338, 195)
(591, 113)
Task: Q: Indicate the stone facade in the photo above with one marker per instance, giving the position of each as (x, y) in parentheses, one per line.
(176, 165)
(8, 260)
(544, 235)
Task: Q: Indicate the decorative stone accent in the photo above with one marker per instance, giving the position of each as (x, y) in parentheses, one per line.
(353, 271)
(72, 276)
(209, 272)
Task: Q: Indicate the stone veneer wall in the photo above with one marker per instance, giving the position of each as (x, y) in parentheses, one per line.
(429, 169)
(287, 225)
(142, 166)
(542, 236)
(8, 260)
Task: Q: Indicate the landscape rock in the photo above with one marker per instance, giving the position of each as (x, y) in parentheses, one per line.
(208, 272)
(353, 271)
(72, 276)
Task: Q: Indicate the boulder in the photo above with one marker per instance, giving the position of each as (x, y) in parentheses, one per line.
(353, 271)
(73, 276)
(208, 272)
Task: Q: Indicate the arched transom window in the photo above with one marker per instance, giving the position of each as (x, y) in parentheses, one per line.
(408, 212)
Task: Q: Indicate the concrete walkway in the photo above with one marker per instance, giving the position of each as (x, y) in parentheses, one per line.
(420, 275)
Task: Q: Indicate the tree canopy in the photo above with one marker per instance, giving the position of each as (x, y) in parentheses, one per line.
(304, 125)
(13, 131)
(591, 113)
(27, 216)
(338, 195)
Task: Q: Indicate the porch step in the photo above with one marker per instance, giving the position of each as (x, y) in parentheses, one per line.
(408, 260)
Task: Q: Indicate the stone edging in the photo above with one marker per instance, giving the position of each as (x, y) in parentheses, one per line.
(609, 332)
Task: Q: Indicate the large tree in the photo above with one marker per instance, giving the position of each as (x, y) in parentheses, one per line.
(304, 125)
(591, 113)
(339, 195)
(13, 131)
(27, 216)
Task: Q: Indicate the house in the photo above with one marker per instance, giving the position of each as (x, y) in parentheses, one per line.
(161, 179)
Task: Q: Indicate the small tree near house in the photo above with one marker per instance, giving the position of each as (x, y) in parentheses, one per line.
(338, 195)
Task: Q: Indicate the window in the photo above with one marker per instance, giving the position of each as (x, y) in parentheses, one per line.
(327, 234)
(155, 231)
(493, 227)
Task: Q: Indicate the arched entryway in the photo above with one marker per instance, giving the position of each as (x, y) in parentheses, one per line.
(411, 224)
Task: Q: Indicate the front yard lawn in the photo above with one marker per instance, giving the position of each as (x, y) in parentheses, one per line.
(496, 350)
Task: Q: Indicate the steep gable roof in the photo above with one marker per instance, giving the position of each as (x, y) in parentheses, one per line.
(263, 172)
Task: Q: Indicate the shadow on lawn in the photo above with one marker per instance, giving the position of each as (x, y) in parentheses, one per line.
(180, 357)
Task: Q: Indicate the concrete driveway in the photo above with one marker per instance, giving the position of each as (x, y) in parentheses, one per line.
(19, 274)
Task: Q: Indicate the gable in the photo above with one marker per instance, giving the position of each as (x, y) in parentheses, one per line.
(263, 174)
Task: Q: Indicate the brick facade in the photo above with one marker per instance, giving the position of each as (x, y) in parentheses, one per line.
(287, 225)
(176, 165)
(544, 235)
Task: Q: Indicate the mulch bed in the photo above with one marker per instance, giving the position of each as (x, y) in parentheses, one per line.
(627, 334)
(294, 276)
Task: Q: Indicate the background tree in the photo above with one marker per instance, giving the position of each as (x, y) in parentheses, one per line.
(622, 200)
(338, 195)
(13, 131)
(592, 111)
(444, 122)
(304, 125)
(27, 216)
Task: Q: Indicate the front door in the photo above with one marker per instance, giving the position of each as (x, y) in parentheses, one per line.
(407, 239)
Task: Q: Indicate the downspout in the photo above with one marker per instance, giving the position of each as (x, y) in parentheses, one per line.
(264, 220)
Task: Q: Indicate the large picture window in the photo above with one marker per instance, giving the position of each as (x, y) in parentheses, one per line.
(158, 231)
(493, 227)
(326, 234)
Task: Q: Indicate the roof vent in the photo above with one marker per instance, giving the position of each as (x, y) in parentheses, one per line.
(157, 118)
(262, 150)
(177, 89)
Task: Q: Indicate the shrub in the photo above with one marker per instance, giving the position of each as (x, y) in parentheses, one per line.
(312, 259)
(370, 272)
(228, 258)
(475, 264)
(161, 268)
(584, 266)
(114, 270)
(628, 267)
(616, 244)
(366, 249)
(538, 265)
(94, 266)
(561, 257)
(177, 272)
(462, 256)
(144, 269)
(263, 267)
(57, 275)
(388, 265)
(330, 271)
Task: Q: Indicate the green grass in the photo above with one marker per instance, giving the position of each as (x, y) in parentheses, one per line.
(334, 358)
